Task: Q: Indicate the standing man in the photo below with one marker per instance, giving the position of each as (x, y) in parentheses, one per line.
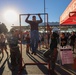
(34, 32)
(72, 40)
(14, 50)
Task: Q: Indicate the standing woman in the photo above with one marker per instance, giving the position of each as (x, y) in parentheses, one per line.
(3, 44)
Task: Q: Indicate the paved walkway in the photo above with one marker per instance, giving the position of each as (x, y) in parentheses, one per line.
(34, 69)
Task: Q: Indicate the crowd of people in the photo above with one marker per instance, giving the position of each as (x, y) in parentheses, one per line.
(48, 41)
(63, 39)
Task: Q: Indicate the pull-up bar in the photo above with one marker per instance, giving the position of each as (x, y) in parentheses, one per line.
(21, 67)
(34, 14)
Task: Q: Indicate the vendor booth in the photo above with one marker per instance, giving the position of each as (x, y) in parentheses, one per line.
(68, 18)
(69, 15)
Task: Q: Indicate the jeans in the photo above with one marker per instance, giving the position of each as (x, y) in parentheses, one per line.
(34, 40)
(15, 56)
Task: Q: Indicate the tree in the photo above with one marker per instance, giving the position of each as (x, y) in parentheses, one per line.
(3, 28)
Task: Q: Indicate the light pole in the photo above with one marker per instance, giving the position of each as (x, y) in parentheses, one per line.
(44, 6)
(44, 15)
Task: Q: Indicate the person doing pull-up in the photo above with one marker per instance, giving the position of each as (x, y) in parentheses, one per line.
(34, 32)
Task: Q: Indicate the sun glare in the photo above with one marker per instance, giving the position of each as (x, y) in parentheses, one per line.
(10, 15)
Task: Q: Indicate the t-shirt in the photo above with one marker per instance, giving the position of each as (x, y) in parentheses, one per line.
(13, 41)
(34, 24)
(64, 41)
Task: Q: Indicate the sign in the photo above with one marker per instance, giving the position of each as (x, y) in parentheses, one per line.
(66, 56)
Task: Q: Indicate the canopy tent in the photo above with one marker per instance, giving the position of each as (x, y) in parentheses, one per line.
(68, 18)
(69, 15)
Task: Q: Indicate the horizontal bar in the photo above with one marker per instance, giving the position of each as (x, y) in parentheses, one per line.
(36, 63)
(34, 14)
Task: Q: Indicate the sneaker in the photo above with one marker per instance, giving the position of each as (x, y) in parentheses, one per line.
(32, 53)
(35, 54)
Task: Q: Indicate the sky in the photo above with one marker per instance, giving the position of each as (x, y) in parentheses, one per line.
(54, 8)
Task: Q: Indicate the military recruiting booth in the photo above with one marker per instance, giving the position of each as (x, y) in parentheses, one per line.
(68, 18)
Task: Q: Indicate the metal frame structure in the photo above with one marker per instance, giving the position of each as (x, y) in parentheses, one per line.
(21, 67)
